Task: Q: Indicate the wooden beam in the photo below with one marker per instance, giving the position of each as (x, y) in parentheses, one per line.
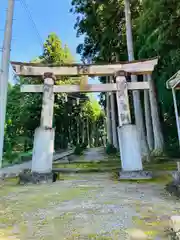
(111, 87)
(135, 67)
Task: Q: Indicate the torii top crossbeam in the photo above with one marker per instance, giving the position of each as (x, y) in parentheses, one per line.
(133, 67)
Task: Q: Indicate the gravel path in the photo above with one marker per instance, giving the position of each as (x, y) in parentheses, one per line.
(90, 206)
(89, 155)
(16, 168)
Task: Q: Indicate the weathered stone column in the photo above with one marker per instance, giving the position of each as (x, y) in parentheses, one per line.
(129, 141)
(108, 116)
(113, 119)
(44, 135)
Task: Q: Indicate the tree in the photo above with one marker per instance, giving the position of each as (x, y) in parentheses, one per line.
(94, 115)
(54, 52)
(157, 31)
(136, 96)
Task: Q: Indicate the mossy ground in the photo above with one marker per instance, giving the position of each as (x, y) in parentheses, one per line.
(20, 206)
(152, 226)
(114, 165)
(52, 211)
(92, 166)
(37, 211)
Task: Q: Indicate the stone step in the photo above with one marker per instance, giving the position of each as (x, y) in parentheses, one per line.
(80, 170)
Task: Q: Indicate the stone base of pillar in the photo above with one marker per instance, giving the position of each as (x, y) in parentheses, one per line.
(174, 186)
(130, 148)
(130, 152)
(43, 151)
(135, 175)
(36, 178)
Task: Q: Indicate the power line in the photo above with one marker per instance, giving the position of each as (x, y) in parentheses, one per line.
(27, 9)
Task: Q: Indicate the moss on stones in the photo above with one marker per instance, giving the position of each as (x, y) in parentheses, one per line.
(161, 179)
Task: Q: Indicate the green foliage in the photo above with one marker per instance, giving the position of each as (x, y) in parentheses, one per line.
(110, 149)
(54, 53)
(11, 157)
(157, 31)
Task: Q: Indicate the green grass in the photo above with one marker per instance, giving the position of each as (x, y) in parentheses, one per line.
(21, 157)
(165, 166)
(151, 226)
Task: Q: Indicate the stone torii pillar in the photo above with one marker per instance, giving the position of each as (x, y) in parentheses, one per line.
(113, 118)
(44, 135)
(129, 138)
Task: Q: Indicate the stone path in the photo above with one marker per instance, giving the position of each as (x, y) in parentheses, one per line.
(94, 154)
(15, 169)
(90, 206)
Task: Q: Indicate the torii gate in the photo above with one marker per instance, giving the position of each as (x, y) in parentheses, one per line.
(127, 133)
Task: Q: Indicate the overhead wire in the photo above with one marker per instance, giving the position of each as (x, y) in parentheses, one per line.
(27, 9)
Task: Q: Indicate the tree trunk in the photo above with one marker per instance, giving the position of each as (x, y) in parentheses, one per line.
(83, 137)
(158, 136)
(96, 136)
(136, 96)
(108, 116)
(88, 137)
(148, 119)
(105, 132)
(91, 135)
(77, 130)
(113, 120)
(70, 130)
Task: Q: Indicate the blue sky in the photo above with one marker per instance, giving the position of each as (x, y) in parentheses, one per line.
(49, 16)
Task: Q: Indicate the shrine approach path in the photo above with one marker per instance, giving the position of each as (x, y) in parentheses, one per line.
(86, 206)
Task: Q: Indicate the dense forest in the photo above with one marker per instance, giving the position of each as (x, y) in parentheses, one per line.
(156, 32)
